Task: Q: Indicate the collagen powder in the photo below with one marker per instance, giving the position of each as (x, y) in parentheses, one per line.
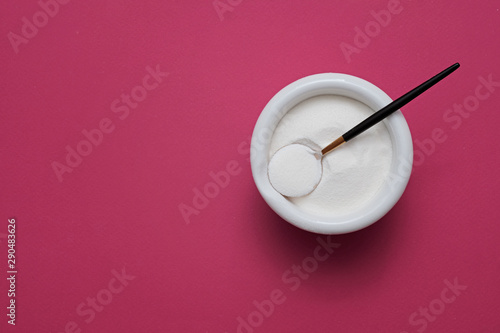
(352, 173)
(295, 170)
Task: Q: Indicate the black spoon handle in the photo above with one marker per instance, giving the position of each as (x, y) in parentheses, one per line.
(397, 104)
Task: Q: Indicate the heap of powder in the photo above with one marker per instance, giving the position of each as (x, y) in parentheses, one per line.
(295, 170)
(352, 173)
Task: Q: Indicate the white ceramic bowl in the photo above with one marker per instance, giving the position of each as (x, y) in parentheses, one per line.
(335, 84)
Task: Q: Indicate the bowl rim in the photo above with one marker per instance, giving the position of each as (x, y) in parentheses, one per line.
(337, 84)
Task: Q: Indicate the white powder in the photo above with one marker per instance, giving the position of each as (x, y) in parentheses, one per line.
(295, 170)
(353, 172)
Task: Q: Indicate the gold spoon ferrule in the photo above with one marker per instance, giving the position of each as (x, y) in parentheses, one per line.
(333, 145)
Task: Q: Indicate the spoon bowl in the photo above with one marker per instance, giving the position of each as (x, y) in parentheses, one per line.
(295, 170)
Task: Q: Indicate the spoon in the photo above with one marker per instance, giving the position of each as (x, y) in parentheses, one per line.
(303, 168)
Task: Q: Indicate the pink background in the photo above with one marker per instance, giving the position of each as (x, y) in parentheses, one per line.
(119, 211)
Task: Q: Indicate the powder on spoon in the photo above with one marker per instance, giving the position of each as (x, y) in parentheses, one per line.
(295, 170)
(352, 173)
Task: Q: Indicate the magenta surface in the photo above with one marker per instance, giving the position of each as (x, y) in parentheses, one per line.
(124, 161)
